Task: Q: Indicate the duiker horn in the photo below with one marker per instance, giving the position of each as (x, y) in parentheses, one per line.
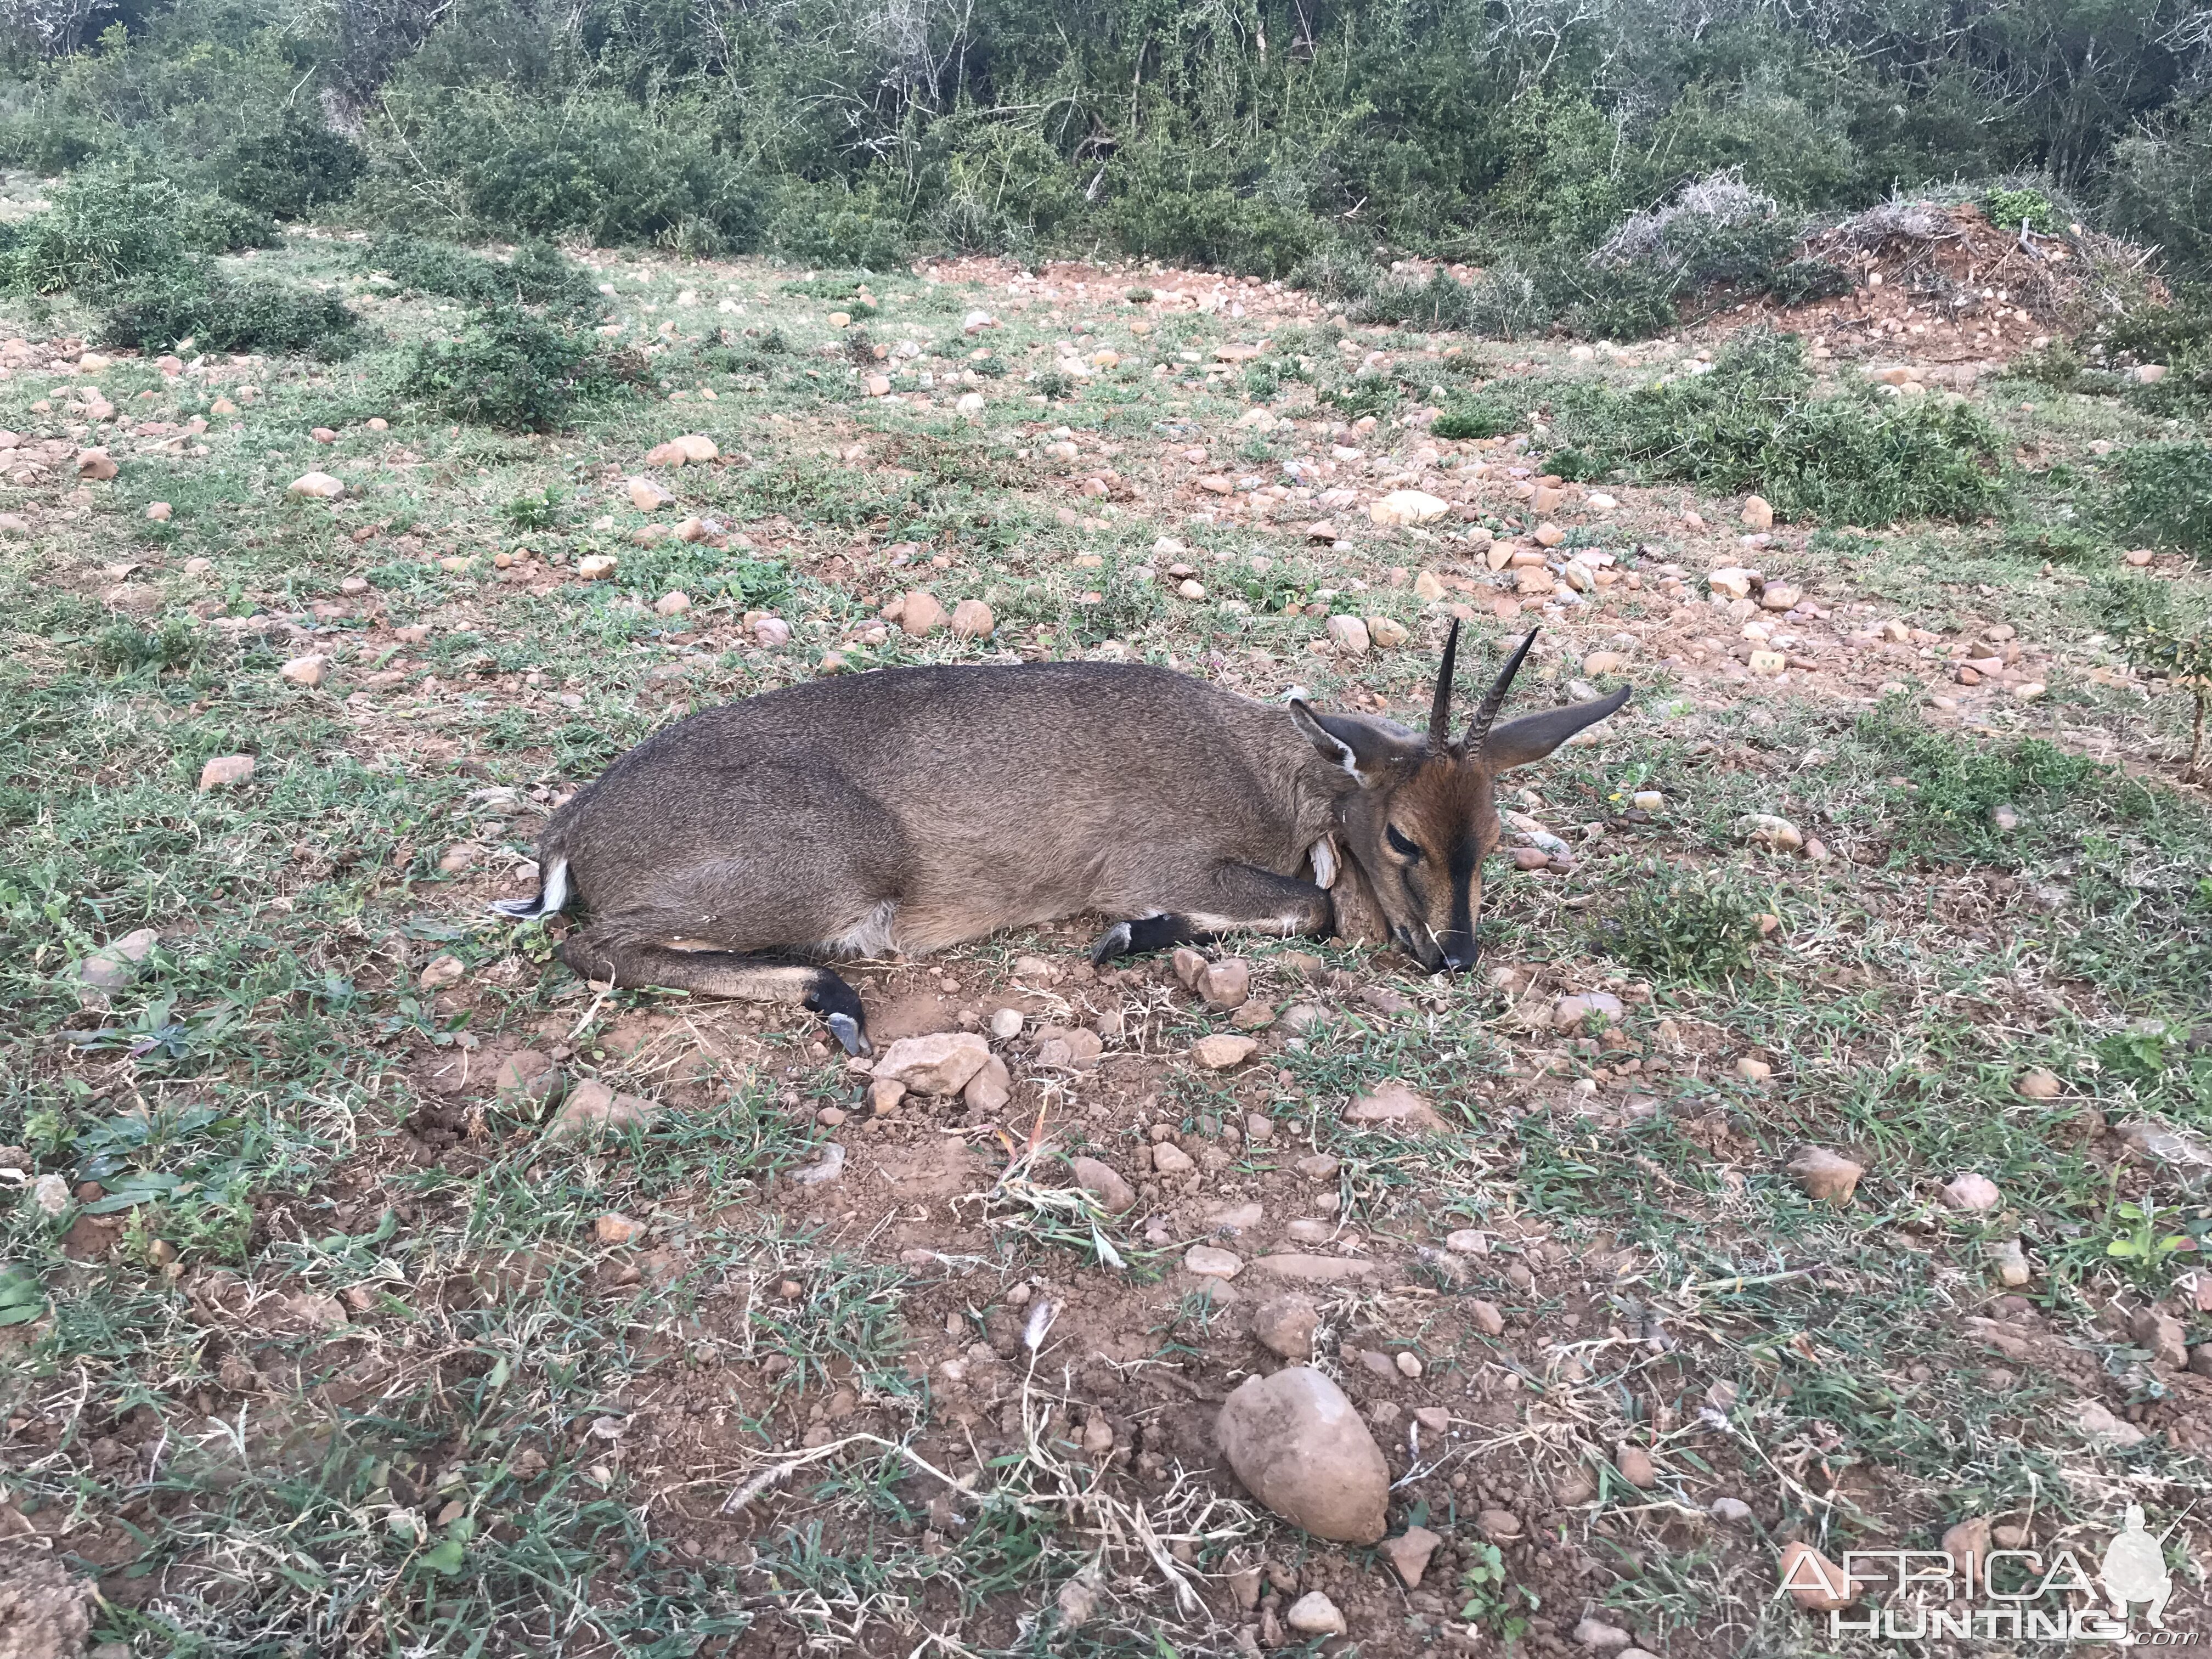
(1478, 729)
(1440, 710)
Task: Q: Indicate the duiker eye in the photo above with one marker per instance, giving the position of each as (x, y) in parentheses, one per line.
(1404, 848)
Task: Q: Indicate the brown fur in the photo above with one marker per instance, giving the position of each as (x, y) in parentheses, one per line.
(911, 809)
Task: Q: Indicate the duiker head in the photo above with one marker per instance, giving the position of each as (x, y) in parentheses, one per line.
(1423, 814)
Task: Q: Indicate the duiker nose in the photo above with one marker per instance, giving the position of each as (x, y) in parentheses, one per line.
(1460, 953)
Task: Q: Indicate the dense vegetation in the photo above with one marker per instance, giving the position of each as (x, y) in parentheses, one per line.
(1259, 134)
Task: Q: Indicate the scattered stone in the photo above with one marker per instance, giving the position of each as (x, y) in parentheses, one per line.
(2013, 1268)
(1753, 1070)
(1209, 1262)
(160, 512)
(115, 964)
(672, 604)
(1486, 1317)
(1402, 507)
(1766, 664)
(884, 1094)
(1825, 1176)
(990, 1089)
(615, 1228)
(1635, 1466)
(318, 486)
(1300, 1448)
(443, 969)
(1815, 1583)
(50, 1194)
(1349, 635)
(1973, 1192)
(1226, 983)
(308, 672)
(2004, 818)
(2185, 1156)
(596, 567)
(647, 496)
(1499, 1525)
(1314, 1614)
(1428, 588)
(1006, 1025)
(1732, 581)
(1467, 1241)
(592, 1108)
(1569, 1013)
(1312, 1269)
(920, 614)
(826, 1168)
(1731, 1511)
(1387, 632)
(1595, 1632)
(1103, 1181)
(1780, 595)
(95, 464)
(2097, 1423)
(1757, 513)
(2159, 1333)
(1284, 1325)
(972, 620)
(1396, 1106)
(1170, 1159)
(1409, 1552)
(226, 772)
(527, 1079)
(2037, 1083)
(1221, 1050)
(1765, 830)
(771, 633)
(938, 1063)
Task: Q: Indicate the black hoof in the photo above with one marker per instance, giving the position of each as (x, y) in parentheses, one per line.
(1113, 942)
(839, 1005)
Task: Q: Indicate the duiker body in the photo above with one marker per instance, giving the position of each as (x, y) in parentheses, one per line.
(912, 808)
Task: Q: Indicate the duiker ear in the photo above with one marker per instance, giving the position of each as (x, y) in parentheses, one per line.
(1370, 752)
(1531, 737)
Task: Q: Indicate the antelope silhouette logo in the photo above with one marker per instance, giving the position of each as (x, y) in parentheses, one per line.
(2134, 1570)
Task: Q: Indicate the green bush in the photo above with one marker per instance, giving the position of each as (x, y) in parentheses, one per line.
(2165, 496)
(289, 173)
(509, 369)
(227, 314)
(538, 275)
(1481, 415)
(124, 647)
(1684, 925)
(1442, 301)
(217, 224)
(839, 225)
(1752, 424)
(2012, 208)
(109, 225)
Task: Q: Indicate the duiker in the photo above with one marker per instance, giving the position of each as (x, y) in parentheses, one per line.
(912, 808)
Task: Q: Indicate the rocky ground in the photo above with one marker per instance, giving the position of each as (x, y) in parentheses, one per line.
(1816, 1164)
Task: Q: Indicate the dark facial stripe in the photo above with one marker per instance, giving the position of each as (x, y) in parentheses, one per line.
(1465, 862)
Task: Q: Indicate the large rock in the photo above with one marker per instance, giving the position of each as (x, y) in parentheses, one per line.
(114, 965)
(1395, 1106)
(592, 1108)
(1299, 1447)
(1104, 1183)
(1825, 1176)
(939, 1064)
(1408, 506)
(319, 485)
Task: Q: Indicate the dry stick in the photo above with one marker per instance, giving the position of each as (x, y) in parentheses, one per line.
(776, 1473)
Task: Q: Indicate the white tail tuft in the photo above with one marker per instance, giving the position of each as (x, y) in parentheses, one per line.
(552, 894)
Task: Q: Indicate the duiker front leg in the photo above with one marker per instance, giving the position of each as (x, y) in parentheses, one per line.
(620, 958)
(1221, 899)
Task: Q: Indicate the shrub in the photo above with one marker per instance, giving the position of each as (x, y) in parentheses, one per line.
(1691, 924)
(225, 313)
(2165, 496)
(2014, 208)
(2160, 644)
(217, 224)
(838, 225)
(1801, 282)
(106, 226)
(1442, 301)
(1716, 234)
(1752, 424)
(289, 173)
(125, 646)
(509, 369)
(538, 275)
(1482, 415)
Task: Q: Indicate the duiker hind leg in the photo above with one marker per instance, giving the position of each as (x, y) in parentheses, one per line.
(1217, 899)
(618, 955)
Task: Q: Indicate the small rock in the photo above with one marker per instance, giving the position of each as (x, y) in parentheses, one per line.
(771, 633)
(1210, 1262)
(1314, 1614)
(1467, 1241)
(614, 1228)
(884, 1094)
(1349, 635)
(647, 496)
(1753, 1070)
(920, 615)
(2095, 1423)
(1635, 1466)
(1226, 983)
(160, 512)
(95, 464)
(1428, 588)
(1409, 1362)
(1732, 581)
(1647, 800)
(1387, 632)
(1569, 1013)
(318, 486)
(1780, 595)
(972, 619)
(1006, 1025)
(1394, 1105)
(1595, 1632)
(2159, 1334)
(1299, 1447)
(2037, 1083)
(1284, 1325)
(527, 1079)
(938, 1063)
(1765, 830)
(2187, 1157)
(591, 1109)
(672, 604)
(308, 672)
(1767, 664)
(1170, 1159)
(50, 1194)
(990, 1089)
(1815, 1583)
(1499, 1525)
(1757, 513)
(2004, 818)
(117, 962)
(1486, 1317)
(596, 567)
(1402, 507)
(443, 969)
(1731, 1511)
(1104, 1182)
(1409, 1552)
(1826, 1176)
(226, 772)
(1973, 1192)
(2013, 1268)
(1221, 1050)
